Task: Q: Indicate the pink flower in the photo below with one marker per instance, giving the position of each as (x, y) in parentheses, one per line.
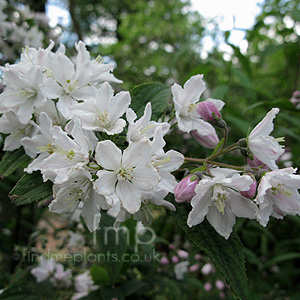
(185, 189)
(207, 141)
(252, 190)
(208, 111)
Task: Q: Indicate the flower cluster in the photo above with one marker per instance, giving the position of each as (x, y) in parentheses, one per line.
(100, 156)
(20, 26)
(255, 191)
(69, 121)
(53, 271)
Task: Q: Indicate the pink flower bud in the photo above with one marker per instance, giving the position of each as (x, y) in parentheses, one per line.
(255, 163)
(197, 256)
(252, 190)
(208, 111)
(207, 141)
(164, 260)
(220, 285)
(194, 268)
(183, 254)
(296, 99)
(207, 286)
(185, 189)
(175, 259)
(207, 268)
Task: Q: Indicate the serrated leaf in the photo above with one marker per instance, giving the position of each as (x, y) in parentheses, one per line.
(99, 275)
(156, 93)
(12, 160)
(31, 188)
(227, 255)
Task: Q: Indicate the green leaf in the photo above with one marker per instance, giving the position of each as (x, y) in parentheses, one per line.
(12, 160)
(282, 258)
(227, 255)
(31, 188)
(156, 93)
(112, 244)
(100, 275)
(220, 144)
(109, 293)
(130, 287)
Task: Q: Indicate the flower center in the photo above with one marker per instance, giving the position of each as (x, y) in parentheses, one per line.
(124, 173)
(280, 189)
(220, 195)
(192, 107)
(28, 93)
(103, 119)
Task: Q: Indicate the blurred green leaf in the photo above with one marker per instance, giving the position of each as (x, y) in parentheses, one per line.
(31, 188)
(100, 275)
(112, 245)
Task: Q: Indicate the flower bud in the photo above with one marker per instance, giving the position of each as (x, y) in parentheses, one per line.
(252, 190)
(185, 189)
(194, 268)
(207, 141)
(255, 163)
(164, 260)
(296, 99)
(183, 254)
(208, 111)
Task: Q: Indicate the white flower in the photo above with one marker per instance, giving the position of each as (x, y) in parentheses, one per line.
(218, 199)
(78, 191)
(61, 278)
(23, 93)
(75, 240)
(50, 269)
(10, 124)
(44, 269)
(143, 127)
(83, 285)
(263, 146)
(185, 101)
(126, 174)
(68, 155)
(104, 112)
(277, 195)
(180, 269)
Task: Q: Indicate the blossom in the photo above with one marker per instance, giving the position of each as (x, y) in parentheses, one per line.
(50, 269)
(277, 195)
(186, 101)
(218, 199)
(180, 269)
(67, 154)
(78, 191)
(127, 174)
(83, 285)
(23, 93)
(104, 112)
(10, 124)
(265, 147)
(143, 127)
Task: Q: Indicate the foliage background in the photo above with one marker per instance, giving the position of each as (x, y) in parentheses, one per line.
(160, 41)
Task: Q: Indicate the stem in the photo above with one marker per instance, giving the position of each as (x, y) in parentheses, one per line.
(202, 160)
(173, 125)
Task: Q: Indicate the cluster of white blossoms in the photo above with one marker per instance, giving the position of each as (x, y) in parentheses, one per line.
(20, 26)
(69, 121)
(86, 140)
(49, 269)
(256, 191)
